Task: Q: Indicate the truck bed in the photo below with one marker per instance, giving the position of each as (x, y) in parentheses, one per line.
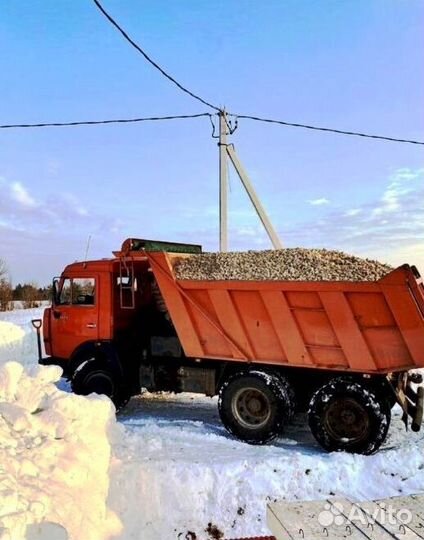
(369, 327)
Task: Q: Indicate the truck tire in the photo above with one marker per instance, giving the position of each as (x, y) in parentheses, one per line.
(255, 405)
(92, 376)
(347, 415)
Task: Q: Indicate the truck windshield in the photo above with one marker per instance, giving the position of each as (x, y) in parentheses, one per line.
(76, 291)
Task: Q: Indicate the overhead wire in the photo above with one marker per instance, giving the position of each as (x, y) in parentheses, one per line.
(231, 128)
(112, 121)
(236, 116)
(210, 115)
(213, 135)
(330, 130)
(149, 59)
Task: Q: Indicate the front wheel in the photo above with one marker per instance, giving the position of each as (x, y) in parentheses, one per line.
(255, 405)
(348, 415)
(93, 377)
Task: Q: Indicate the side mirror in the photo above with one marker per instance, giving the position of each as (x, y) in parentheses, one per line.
(55, 291)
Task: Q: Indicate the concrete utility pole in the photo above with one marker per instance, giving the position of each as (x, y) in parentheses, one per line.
(228, 150)
(253, 196)
(223, 183)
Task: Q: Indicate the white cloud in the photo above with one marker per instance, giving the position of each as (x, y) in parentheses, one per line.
(248, 231)
(353, 212)
(38, 236)
(401, 183)
(58, 226)
(406, 173)
(116, 225)
(390, 228)
(20, 195)
(71, 201)
(20, 210)
(393, 235)
(319, 202)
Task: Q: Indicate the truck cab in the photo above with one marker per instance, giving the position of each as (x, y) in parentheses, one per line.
(109, 329)
(94, 308)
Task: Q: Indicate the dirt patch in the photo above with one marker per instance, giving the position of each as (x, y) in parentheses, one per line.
(213, 532)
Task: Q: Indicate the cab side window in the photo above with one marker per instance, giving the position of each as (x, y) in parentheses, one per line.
(65, 296)
(78, 291)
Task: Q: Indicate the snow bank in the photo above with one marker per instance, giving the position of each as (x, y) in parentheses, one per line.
(167, 469)
(177, 470)
(11, 341)
(17, 337)
(54, 457)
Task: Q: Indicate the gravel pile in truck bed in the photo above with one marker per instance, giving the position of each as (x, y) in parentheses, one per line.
(294, 264)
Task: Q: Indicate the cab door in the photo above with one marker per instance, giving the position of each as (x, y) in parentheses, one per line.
(75, 314)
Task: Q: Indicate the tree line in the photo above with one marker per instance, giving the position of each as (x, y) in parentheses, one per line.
(29, 294)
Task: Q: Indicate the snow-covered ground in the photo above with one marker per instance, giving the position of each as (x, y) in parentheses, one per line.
(174, 472)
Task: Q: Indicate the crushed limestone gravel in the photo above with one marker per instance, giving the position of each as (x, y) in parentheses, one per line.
(291, 264)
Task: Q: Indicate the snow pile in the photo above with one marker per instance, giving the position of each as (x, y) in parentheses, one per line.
(11, 339)
(54, 458)
(17, 337)
(174, 470)
(179, 471)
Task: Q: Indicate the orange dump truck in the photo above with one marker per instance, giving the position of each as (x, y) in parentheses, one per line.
(344, 351)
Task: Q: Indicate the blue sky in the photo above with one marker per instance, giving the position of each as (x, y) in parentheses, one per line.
(355, 65)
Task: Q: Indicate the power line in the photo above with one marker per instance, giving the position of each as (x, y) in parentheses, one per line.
(200, 115)
(158, 118)
(268, 120)
(150, 60)
(97, 122)
(330, 130)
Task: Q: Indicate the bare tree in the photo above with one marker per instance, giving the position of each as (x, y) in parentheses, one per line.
(30, 295)
(3, 269)
(5, 288)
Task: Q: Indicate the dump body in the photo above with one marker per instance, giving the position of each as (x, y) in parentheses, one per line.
(367, 327)
(118, 325)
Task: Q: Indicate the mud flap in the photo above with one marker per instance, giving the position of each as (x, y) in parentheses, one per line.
(418, 418)
(411, 400)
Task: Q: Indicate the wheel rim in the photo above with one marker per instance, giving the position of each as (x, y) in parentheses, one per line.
(251, 407)
(347, 421)
(99, 382)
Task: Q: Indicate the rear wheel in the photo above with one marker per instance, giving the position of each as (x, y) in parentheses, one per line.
(92, 376)
(345, 414)
(255, 405)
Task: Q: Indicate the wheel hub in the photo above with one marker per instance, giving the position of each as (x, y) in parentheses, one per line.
(251, 407)
(99, 382)
(347, 420)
